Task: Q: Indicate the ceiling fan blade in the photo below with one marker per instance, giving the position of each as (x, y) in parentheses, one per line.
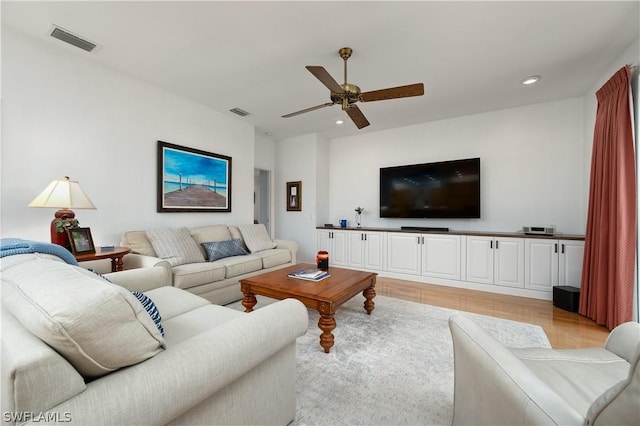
(302, 111)
(357, 116)
(325, 78)
(393, 93)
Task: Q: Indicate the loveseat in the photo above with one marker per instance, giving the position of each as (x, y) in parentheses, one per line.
(79, 349)
(211, 260)
(496, 385)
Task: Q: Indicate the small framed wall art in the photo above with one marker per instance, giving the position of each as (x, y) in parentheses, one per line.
(294, 196)
(81, 241)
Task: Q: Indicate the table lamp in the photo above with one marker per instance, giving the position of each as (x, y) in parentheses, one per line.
(64, 194)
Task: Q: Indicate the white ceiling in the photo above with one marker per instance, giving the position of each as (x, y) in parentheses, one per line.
(471, 56)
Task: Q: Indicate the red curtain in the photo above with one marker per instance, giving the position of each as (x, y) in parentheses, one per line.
(606, 295)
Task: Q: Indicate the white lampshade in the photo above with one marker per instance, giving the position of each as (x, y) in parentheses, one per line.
(63, 193)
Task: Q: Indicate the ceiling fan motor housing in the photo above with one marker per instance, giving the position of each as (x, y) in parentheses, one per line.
(351, 93)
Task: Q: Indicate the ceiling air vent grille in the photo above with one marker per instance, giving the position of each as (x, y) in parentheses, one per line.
(240, 112)
(67, 37)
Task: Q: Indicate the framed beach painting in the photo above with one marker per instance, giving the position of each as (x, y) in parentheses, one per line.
(191, 180)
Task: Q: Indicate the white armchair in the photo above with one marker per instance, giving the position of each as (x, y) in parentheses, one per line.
(496, 385)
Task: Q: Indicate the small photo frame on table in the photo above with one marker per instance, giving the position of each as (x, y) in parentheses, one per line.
(294, 196)
(81, 241)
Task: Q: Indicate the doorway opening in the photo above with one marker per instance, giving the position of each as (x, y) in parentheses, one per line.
(261, 198)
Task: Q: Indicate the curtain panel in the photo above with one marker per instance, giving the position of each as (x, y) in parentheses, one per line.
(606, 294)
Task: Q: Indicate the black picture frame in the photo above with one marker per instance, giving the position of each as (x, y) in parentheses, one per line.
(294, 196)
(80, 241)
(192, 180)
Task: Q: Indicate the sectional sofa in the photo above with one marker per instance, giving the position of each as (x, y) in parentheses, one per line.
(79, 349)
(210, 261)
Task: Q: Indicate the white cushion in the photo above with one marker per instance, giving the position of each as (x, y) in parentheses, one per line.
(175, 245)
(97, 326)
(256, 237)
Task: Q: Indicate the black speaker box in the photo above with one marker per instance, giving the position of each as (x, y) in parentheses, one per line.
(566, 297)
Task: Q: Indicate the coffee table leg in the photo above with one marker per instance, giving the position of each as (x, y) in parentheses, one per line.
(369, 294)
(327, 324)
(249, 299)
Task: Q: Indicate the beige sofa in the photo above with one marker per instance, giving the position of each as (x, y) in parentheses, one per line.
(79, 349)
(217, 281)
(496, 385)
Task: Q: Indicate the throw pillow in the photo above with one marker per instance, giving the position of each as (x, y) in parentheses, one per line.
(221, 249)
(175, 245)
(256, 237)
(151, 309)
(97, 326)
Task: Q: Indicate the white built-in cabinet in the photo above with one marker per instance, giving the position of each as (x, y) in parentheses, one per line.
(367, 250)
(502, 263)
(551, 262)
(334, 242)
(495, 260)
(430, 255)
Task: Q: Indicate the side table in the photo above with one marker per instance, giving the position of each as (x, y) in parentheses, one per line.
(116, 254)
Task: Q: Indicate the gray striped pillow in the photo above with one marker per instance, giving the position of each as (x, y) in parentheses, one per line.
(256, 237)
(175, 245)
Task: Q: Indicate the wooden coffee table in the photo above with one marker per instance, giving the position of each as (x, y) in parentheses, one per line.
(324, 296)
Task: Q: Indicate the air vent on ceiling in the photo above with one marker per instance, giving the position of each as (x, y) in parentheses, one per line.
(67, 37)
(240, 112)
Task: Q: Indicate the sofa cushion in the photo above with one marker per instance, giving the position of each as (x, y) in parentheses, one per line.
(274, 257)
(138, 242)
(172, 301)
(97, 326)
(240, 265)
(221, 249)
(199, 320)
(175, 245)
(256, 237)
(579, 376)
(41, 377)
(195, 274)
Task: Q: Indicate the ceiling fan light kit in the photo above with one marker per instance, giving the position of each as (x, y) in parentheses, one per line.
(346, 95)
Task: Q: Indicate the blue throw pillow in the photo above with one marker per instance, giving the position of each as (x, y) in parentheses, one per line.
(221, 249)
(151, 309)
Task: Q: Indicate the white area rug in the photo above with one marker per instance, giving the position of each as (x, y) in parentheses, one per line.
(394, 367)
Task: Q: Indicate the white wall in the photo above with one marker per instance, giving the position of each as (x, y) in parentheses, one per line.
(531, 167)
(296, 160)
(63, 114)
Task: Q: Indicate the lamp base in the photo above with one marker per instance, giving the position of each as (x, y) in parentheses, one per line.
(61, 238)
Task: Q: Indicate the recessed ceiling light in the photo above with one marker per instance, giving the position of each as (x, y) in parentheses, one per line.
(531, 80)
(268, 133)
(339, 121)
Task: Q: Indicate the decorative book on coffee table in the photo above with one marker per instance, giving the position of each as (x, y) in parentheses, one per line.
(310, 274)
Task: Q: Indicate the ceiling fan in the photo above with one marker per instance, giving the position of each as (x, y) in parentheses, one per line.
(347, 94)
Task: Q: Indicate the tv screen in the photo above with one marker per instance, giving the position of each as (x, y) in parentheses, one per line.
(447, 189)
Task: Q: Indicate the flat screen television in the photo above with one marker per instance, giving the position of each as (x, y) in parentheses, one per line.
(446, 189)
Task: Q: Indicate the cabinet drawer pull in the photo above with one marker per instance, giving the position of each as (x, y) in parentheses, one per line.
(491, 244)
(496, 244)
(562, 248)
(555, 248)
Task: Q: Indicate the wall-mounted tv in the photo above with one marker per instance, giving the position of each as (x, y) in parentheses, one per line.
(446, 189)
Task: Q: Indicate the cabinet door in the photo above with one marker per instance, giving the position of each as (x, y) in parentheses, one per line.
(323, 240)
(480, 259)
(340, 249)
(375, 250)
(509, 262)
(541, 264)
(570, 263)
(355, 241)
(441, 256)
(404, 253)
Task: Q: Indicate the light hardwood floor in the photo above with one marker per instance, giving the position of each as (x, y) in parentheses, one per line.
(564, 329)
